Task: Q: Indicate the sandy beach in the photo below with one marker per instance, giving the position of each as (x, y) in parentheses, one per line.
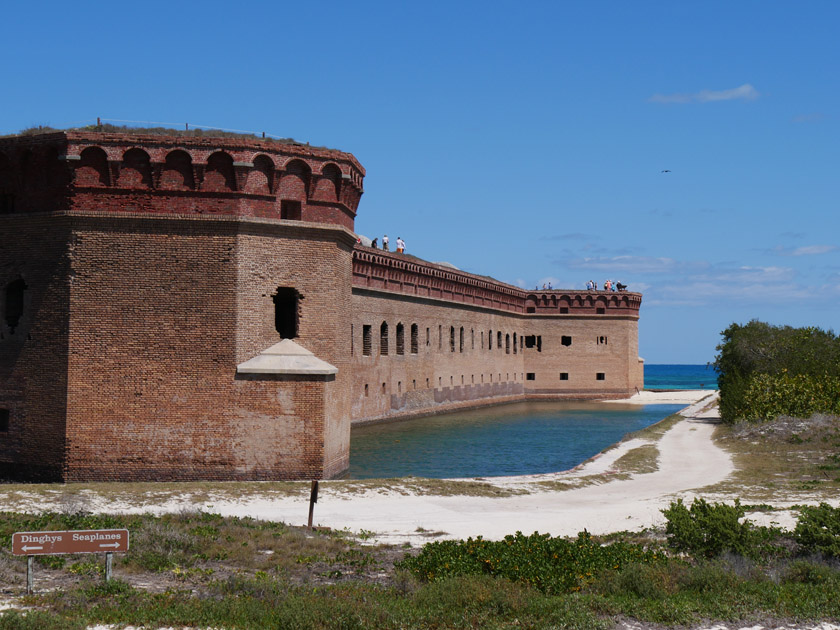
(688, 460)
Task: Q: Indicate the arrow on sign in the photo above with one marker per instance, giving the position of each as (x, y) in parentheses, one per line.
(31, 548)
(115, 545)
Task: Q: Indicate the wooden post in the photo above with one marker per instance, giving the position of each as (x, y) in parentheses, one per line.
(313, 499)
(109, 558)
(30, 578)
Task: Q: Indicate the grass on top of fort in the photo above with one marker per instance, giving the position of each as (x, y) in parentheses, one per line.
(200, 569)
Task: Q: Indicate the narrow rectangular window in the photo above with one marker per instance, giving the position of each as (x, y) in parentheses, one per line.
(564, 376)
(400, 339)
(352, 346)
(452, 338)
(601, 376)
(530, 376)
(428, 337)
(565, 341)
(414, 341)
(366, 335)
(383, 338)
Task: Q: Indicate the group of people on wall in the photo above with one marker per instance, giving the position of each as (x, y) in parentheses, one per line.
(386, 244)
(609, 285)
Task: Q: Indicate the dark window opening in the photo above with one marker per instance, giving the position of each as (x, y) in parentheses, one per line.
(490, 340)
(452, 338)
(499, 340)
(602, 340)
(514, 343)
(14, 303)
(600, 311)
(414, 341)
(440, 337)
(507, 344)
(534, 341)
(565, 340)
(290, 210)
(7, 203)
(4, 420)
(461, 340)
(366, 390)
(366, 340)
(530, 376)
(428, 337)
(400, 339)
(530, 309)
(286, 312)
(564, 376)
(600, 376)
(472, 336)
(383, 341)
(564, 310)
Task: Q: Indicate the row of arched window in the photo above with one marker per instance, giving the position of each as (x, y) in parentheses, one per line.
(293, 180)
(509, 342)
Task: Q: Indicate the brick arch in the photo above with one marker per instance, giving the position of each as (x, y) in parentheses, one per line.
(294, 183)
(92, 168)
(261, 178)
(135, 170)
(329, 184)
(177, 171)
(218, 176)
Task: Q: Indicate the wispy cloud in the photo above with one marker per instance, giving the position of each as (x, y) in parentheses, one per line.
(633, 264)
(807, 250)
(816, 117)
(744, 92)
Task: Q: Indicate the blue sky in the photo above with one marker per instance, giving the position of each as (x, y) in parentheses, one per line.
(522, 140)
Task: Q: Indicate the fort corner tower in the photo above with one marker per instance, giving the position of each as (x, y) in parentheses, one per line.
(139, 272)
(181, 308)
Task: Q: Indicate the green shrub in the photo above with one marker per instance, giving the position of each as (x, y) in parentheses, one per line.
(818, 530)
(707, 530)
(551, 565)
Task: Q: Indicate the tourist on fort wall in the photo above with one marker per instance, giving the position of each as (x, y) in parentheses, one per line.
(375, 243)
(385, 243)
(400, 245)
(591, 286)
(608, 285)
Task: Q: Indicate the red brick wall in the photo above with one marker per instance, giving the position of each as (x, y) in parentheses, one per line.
(33, 358)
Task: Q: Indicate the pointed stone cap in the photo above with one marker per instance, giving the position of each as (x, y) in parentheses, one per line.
(286, 357)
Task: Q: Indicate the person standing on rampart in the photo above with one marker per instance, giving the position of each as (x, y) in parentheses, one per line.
(385, 243)
(400, 245)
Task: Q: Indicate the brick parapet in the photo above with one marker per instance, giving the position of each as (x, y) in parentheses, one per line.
(376, 269)
(174, 174)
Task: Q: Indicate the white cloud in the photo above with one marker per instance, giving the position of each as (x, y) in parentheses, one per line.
(809, 118)
(810, 250)
(744, 92)
(632, 264)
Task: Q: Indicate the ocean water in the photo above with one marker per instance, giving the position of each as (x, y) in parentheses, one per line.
(680, 377)
(517, 439)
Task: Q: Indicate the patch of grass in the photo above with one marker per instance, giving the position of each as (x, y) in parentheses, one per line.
(771, 464)
(640, 460)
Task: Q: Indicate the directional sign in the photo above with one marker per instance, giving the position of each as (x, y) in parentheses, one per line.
(84, 541)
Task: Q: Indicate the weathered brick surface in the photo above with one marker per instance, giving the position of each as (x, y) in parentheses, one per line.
(151, 266)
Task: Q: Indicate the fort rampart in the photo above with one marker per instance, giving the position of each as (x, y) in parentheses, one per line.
(199, 308)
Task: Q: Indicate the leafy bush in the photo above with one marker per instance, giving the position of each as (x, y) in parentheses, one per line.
(818, 530)
(708, 530)
(754, 349)
(552, 565)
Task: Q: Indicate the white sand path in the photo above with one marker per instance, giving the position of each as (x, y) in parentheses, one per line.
(688, 460)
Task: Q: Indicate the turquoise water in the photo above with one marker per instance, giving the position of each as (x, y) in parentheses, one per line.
(680, 377)
(518, 439)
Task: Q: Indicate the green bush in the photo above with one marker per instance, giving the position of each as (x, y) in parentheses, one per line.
(818, 530)
(551, 565)
(707, 530)
(799, 370)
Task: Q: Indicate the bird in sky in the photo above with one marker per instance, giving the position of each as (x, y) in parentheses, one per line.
(665, 170)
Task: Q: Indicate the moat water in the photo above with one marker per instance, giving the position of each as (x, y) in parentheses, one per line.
(517, 439)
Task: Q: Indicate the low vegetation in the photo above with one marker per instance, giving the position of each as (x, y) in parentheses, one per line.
(204, 570)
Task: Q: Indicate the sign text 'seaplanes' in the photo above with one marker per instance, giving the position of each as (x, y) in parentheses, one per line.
(85, 541)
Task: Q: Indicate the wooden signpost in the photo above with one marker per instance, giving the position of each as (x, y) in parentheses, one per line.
(107, 541)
